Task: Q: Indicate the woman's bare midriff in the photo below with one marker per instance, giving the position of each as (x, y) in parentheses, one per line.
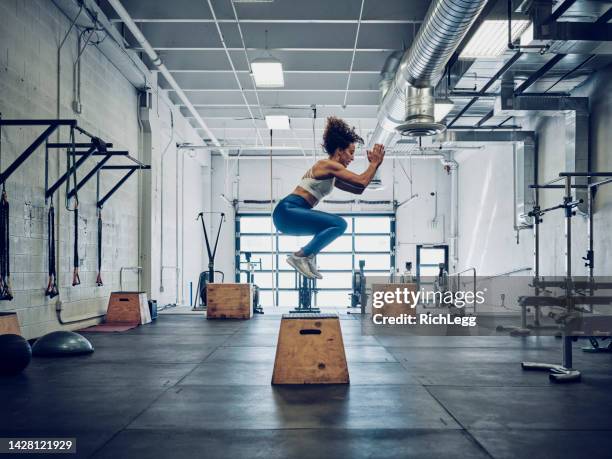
(306, 195)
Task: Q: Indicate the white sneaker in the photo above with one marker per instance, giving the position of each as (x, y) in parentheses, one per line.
(301, 265)
(313, 267)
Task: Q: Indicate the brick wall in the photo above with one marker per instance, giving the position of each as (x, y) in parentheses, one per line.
(30, 33)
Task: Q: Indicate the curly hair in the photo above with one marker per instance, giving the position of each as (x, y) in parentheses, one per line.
(338, 134)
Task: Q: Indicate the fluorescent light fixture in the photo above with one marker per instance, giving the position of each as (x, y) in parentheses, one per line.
(268, 73)
(491, 39)
(442, 108)
(277, 122)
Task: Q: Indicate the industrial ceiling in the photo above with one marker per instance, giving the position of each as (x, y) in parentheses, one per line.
(332, 54)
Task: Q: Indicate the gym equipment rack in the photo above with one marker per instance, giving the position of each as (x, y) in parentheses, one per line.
(565, 372)
(83, 150)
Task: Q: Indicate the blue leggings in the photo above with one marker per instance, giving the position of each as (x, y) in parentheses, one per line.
(294, 215)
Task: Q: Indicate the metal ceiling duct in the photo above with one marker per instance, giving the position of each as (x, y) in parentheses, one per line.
(388, 72)
(408, 105)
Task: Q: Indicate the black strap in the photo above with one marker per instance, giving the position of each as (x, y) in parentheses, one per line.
(5, 273)
(76, 280)
(4, 238)
(99, 282)
(52, 290)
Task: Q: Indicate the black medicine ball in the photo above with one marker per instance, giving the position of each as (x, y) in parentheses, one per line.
(15, 354)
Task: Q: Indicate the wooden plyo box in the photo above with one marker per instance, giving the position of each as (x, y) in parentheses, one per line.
(310, 350)
(229, 301)
(128, 307)
(9, 325)
(394, 309)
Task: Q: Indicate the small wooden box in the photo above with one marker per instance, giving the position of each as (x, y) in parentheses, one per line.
(9, 324)
(229, 301)
(394, 309)
(128, 307)
(310, 350)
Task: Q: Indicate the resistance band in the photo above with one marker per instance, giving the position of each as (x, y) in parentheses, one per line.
(76, 280)
(52, 290)
(5, 274)
(99, 282)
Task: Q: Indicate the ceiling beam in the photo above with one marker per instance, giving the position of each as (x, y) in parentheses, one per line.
(281, 107)
(215, 90)
(297, 72)
(323, 50)
(278, 21)
(509, 63)
(535, 76)
(562, 8)
(159, 65)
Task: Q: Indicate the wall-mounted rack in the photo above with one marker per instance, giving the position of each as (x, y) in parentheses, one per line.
(94, 147)
(52, 125)
(122, 180)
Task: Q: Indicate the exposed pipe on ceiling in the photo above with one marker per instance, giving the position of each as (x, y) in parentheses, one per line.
(125, 61)
(409, 102)
(157, 62)
(453, 170)
(243, 148)
(388, 72)
(438, 156)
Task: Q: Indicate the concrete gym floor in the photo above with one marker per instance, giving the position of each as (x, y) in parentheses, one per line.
(186, 387)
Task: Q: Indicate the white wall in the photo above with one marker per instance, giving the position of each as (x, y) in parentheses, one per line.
(417, 222)
(30, 33)
(487, 240)
(486, 208)
(176, 235)
(600, 89)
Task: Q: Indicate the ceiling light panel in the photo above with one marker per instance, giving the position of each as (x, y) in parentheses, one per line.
(491, 39)
(278, 122)
(268, 73)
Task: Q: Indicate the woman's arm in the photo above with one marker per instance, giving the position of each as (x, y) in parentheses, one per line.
(345, 186)
(362, 180)
(344, 175)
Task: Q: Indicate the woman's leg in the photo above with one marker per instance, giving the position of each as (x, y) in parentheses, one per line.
(300, 221)
(331, 227)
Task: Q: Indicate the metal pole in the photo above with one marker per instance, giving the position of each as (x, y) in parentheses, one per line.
(590, 258)
(590, 255)
(567, 340)
(46, 168)
(211, 263)
(536, 264)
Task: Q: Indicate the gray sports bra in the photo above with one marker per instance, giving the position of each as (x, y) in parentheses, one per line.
(318, 188)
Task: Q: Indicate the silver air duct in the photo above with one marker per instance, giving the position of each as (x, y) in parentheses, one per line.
(408, 105)
(388, 72)
(386, 80)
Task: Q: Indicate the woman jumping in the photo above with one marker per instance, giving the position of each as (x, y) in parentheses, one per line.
(294, 214)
